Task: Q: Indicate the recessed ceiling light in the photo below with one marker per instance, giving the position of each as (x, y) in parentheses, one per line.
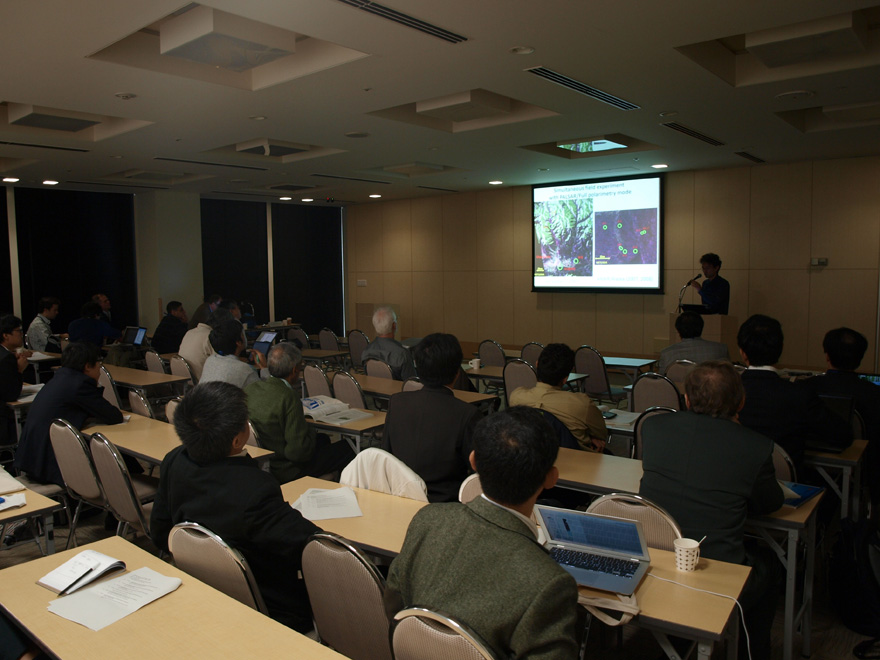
(10, 179)
(795, 95)
(521, 50)
(50, 182)
(258, 117)
(285, 199)
(495, 183)
(660, 166)
(307, 199)
(357, 134)
(375, 196)
(116, 157)
(543, 169)
(125, 96)
(668, 113)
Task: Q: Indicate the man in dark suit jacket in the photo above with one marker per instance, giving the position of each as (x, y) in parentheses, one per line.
(171, 329)
(788, 413)
(73, 394)
(480, 562)
(211, 480)
(12, 365)
(429, 429)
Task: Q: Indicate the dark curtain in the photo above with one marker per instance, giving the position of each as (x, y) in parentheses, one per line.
(5, 273)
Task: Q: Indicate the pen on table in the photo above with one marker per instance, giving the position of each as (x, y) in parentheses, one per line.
(2, 500)
(64, 591)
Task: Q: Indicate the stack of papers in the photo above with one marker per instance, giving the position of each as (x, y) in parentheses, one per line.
(327, 503)
(11, 492)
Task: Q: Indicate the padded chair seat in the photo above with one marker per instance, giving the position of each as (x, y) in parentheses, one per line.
(145, 487)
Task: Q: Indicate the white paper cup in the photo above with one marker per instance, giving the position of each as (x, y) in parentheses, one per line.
(687, 554)
(475, 363)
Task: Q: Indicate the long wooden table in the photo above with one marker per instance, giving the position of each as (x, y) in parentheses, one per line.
(386, 387)
(354, 432)
(848, 464)
(140, 379)
(36, 506)
(193, 621)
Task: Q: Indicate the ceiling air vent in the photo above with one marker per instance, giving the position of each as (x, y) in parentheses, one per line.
(675, 126)
(403, 19)
(582, 88)
(42, 146)
(202, 162)
(290, 187)
(351, 178)
(748, 156)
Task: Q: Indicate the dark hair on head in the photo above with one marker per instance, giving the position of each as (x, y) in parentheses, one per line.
(173, 306)
(714, 388)
(513, 451)
(689, 325)
(712, 259)
(845, 348)
(438, 359)
(209, 417)
(225, 337)
(555, 363)
(77, 355)
(228, 304)
(90, 310)
(8, 324)
(760, 338)
(46, 302)
(214, 299)
(218, 316)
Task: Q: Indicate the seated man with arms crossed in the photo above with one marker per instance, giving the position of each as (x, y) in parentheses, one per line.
(212, 481)
(429, 429)
(689, 326)
(480, 562)
(384, 347)
(276, 412)
(709, 472)
(573, 409)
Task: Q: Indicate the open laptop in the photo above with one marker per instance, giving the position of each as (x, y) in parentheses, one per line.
(264, 342)
(601, 552)
(134, 336)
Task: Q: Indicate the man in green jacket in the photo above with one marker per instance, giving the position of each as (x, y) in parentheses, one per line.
(275, 409)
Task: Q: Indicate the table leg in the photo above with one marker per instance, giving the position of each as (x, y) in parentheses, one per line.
(846, 474)
(809, 569)
(49, 533)
(790, 564)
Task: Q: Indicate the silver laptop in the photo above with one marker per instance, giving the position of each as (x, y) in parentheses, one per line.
(601, 552)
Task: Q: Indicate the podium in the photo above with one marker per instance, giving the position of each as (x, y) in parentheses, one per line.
(716, 327)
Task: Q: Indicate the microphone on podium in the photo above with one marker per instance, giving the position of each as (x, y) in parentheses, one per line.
(694, 279)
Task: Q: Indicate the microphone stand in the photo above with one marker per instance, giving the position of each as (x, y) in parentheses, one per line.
(681, 295)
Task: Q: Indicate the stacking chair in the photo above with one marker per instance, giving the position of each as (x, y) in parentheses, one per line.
(519, 373)
(637, 428)
(299, 335)
(651, 390)
(531, 352)
(587, 360)
(139, 404)
(377, 469)
(422, 634)
(154, 362)
(204, 555)
(106, 381)
(354, 625)
(678, 370)
(170, 407)
(783, 465)
(160, 393)
(357, 342)
(378, 368)
(328, 341)
(316, 381)
(470, 489)
(253, 440)
(660, 528)
(491, 353)
(180, 367)
(348, 390)
(412, 384)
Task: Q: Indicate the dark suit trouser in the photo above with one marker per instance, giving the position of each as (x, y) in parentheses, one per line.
(758, 599)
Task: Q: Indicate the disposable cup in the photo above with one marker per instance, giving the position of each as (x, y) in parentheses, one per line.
(687, 554)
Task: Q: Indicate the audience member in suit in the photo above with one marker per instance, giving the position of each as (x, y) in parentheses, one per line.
(429, 429)
(689, 326)
(709, 473)
(224, 364)
(12, 365)
(205, 310)
(211, 480)
(788, 413)
(384, 347)
(104, 302)
(577, 411)
(276, 412)
(480, 562)
(91, 327)
(715, 291)
(74, 395)
(171, 329)
(39, 334)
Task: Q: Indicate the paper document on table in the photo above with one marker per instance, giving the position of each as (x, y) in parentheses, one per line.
(14, 501)
(29, 392)
(106, 603)
(36, 356)
(327, 503)
(80, 570)
(8, 483)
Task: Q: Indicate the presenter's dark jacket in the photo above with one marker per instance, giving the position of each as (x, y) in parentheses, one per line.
(10, 390)
(715, 294)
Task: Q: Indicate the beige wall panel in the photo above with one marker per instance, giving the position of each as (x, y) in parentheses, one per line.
(495, 229)
(365, 234)
(721, 215)
(522, 228)
(427, 288)
(619, 324)
(495, 306)
(351, 313)
(780, 216)
(364, 319)
(374, 292)
(658, 308)
(783, 294)
(396, 236)
(460, 232)
(532, 312)
(427, 233)
(846, 212)
(460, 305)
(679, 217)
(842, 298)
(398, 293)
(574, 318)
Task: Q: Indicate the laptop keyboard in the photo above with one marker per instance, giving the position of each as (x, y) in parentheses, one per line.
(608, 565)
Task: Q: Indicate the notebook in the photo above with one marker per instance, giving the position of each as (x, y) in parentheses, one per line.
(600, 552)
(264, 342)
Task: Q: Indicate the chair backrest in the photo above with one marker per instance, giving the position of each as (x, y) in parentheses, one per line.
(660, 528)
(587, 360)
(348, 390)
(300, 335)
(470, 489)
(531, 352)
(563, 433)
(75, 461)
(421, 634)
(376, 469)
(357, 342)
(170, 407)
(180, 367)
(412, 384)
(316, 381)
(678, 370)
(139, 404)
(328, 340)
(253, 440)
(345, 587)
(106, 381)
(859, 429)
(379, 369)
(637, 427)
(783, 465)
(120, 492)
(491, 353)
(154, 362)
(207, 557)
(651, 390)
(519, 373)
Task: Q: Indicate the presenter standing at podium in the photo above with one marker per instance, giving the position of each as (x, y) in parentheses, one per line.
(715, 291)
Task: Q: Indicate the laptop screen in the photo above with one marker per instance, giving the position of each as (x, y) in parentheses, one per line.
(614, 534)
(871, 378)
(134, 335)
(267, 336)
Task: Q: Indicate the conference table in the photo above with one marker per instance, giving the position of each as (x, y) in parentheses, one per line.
(666, 609)
(496, 374)
(848, 465)
(195, 620)
(632, 367)
(140, 379)
(354, 431)
(36, 506)
(386, 388)
(41, 358)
